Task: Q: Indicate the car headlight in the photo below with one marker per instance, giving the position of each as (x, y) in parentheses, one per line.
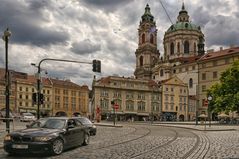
(42, 138)
(7, 138)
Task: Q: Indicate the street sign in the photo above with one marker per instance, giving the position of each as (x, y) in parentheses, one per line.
(205, 103)
(116, 106)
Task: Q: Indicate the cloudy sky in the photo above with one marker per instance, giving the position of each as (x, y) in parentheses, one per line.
(84, 30)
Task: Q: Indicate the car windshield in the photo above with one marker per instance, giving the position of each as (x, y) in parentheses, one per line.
(54, 124)
(27, 114)
(85, 121)
(38, 123)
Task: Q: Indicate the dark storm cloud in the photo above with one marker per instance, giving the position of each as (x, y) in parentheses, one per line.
(85, 47)
(221, 31)
(107, 5)
(26, 22)
(200, 16)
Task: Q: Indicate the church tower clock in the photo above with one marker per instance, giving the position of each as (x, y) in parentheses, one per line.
(147, 54)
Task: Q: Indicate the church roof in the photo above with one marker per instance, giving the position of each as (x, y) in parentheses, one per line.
(183, 26)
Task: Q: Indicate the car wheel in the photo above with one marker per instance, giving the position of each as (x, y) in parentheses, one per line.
(57, 147)
(86, 139)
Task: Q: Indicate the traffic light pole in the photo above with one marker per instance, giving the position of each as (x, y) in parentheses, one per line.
(98, 69)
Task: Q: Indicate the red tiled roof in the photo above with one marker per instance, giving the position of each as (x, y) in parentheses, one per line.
(220, 53)
(185, 60)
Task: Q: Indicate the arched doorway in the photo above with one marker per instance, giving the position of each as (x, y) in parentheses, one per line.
(61, 113)
(181, 117)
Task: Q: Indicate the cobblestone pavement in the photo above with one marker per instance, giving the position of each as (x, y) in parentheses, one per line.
(152, 142)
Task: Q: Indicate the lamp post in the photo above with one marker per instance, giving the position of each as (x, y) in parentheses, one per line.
(209, 98)
(5, 37)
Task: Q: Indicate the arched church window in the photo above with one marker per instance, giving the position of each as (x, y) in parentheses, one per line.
(178, 47)
(151, 38)
(190, 83)
(186, 47)
(171, 48)
(143, 38)
(186, 25)
(195, 48)
(141, 60)
(161, 73)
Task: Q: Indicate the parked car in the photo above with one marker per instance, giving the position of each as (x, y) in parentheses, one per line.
(27, 117)
(85, 121)
(55, 135)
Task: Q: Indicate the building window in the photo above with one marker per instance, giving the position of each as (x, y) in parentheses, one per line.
(166, 97)
(130, 105)
(48, 91)
(141, 60)
(166, 89)
(141, 96)
(186, 47)
(20, 96)
(186, 68)
(203, 88)
(141, 106)
(172, 89)
(26, 89)
(171, 48)
(172, 98)
(227, 61)
(172, 106)
(215, 74)
(20, 88)
(195, 48)
(26, 96)
(178, 47)
(33, 90)
(190, 83)
(143, 38)
(193, 67)
(104, 93)
(214, 63)
(161, 73)
(151, 38)
(203, 76)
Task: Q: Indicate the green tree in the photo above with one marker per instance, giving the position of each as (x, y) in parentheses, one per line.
(226, 93)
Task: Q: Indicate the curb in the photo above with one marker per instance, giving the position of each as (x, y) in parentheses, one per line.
(108, 125)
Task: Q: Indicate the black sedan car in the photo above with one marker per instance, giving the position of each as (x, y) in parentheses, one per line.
(85, 121)
(52, 135)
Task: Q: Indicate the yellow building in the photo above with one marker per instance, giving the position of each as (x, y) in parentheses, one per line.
(211, 65)
(69, 98)
(174, 100)
(137, 99)
(26, 86)
(2, 92)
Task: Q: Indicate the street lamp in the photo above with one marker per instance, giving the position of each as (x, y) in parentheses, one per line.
(5, 37)
(209, 98)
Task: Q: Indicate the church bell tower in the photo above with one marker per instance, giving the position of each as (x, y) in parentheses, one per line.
(146, 54)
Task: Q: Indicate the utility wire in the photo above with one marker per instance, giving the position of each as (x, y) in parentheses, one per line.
(166, 12)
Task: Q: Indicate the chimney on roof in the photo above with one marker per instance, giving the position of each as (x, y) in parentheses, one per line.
(211, 50)
(221, 48)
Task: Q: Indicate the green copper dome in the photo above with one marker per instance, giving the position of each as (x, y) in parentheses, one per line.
(183, 26)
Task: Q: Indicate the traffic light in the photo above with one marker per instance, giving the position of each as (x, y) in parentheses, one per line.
(42, 99)
(34, 98)
(96, 66)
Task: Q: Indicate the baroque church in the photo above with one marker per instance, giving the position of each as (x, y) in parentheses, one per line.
(183, 46)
